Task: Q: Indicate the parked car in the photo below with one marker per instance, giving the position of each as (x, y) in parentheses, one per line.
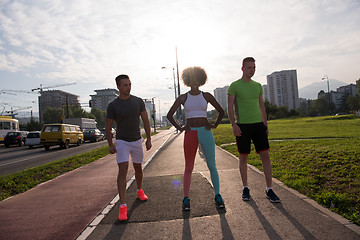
(60, 134)
(33, 139)
(15, 138)
(93, 135)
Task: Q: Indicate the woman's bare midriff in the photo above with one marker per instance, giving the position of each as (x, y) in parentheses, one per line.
(196, 122)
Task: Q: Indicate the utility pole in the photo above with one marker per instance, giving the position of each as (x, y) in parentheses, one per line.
(178, 113)
(329, 97)
(153, 114)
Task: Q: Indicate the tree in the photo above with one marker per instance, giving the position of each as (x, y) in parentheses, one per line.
(294, 113)
(271, 109)
(33, 125)
(321, 106)
(353, 102)
(52, 115)
(78, 112)
(282, 112)
(99, 117)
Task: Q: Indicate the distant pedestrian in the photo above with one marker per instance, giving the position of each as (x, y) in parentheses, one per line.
(246, 96)
(126, 111)
(197, 130)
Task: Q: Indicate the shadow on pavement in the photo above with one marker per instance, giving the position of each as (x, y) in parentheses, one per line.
(225, 228)
(186, 233)
(270, 231)
(302, 230)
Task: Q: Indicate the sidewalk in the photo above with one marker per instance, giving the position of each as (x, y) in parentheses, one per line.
(63, 207)
(161, 217)
(78, 205)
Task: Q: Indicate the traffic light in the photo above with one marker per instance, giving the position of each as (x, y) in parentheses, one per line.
(153, 116)
(89, 103)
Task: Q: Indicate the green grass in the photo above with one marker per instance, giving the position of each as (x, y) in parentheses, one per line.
(323, 163)
(19, 182)
(22, 181)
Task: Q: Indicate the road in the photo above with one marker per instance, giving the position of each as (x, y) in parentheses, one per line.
(15, 159)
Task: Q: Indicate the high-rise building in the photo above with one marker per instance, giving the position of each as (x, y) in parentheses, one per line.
(266, 95)
(283, 89)
(103, 97)
(220, 95)
(56, 99)
(150, 107)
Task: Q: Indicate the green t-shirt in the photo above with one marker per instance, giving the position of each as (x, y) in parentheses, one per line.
(247, 109)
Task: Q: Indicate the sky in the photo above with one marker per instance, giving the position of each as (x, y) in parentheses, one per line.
(83, 45)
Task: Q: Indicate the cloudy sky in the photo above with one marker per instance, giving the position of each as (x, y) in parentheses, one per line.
(90, 42)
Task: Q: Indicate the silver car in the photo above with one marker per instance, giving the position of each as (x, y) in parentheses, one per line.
(32, 139)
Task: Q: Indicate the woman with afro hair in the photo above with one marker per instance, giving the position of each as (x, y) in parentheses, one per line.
(197, 129)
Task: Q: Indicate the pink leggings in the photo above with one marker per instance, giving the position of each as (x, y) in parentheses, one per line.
(199, 135)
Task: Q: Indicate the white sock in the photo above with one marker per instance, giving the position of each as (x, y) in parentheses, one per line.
(246, 187)
(267, 189)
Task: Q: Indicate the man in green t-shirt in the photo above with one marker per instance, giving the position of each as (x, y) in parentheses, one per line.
(245, 97)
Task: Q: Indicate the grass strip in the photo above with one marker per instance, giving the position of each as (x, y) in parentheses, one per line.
(22, 181)
(19, 182)
(323, 166)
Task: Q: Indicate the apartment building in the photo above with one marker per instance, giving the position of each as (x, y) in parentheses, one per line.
(283, 89)
(339, 96)
(220, 95)
(266, 95)
(103, 97)
(56, 99)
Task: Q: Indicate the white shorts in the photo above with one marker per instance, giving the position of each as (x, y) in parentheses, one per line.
(124, 149)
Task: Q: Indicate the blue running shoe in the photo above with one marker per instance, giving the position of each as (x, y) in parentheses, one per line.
(246, 194)
(219, 201)
(186, 204)
(272, 196)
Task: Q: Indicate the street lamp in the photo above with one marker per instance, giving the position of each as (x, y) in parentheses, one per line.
(327, 80)
(174, 79)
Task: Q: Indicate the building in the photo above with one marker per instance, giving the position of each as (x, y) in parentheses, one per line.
(339, 96)
(103, 97)
(56, 99)
(150, 107)
(283, 89)
(266, 95)
(220, 95)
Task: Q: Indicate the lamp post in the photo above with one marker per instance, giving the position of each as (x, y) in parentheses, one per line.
(177, 69)
(176, 95)
(174, 79)
(327, 81)
(178, 112)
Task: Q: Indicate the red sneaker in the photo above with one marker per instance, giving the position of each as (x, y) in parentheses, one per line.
(141, 195)
(122, 213)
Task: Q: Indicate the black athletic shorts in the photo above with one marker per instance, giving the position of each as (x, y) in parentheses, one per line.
(255, 132)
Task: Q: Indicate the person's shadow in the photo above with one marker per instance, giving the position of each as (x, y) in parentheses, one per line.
(303, 231)
(270, 231)
(225, 228)
(186, 233)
